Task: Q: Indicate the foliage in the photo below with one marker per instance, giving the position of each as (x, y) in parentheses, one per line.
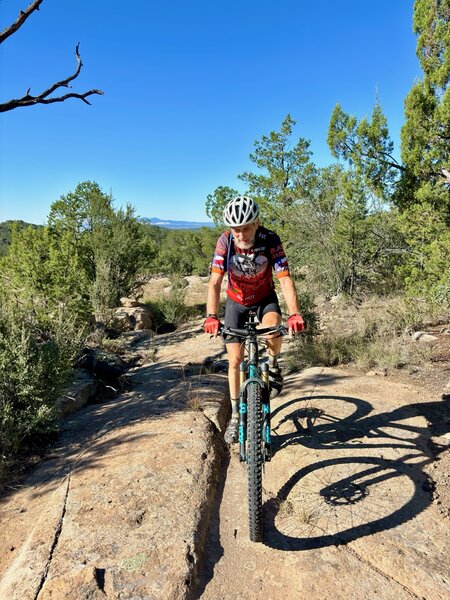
(35, 366)
(53, 278)
(340, 239)
(328, 350)
(87, 257)
(185, 252)
(112, 247)
(378, 338)
(6, 233)
(171, 309)
(285, 174)
(426, 152)
(43, 274)
(216, 202)
(366, 146)
(426, 132)
(422, 190)
(426, 272)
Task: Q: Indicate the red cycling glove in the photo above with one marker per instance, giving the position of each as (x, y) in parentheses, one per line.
(295, 323)
(211, 325)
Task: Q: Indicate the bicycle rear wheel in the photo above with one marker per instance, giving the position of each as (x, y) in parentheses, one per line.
(254, 461)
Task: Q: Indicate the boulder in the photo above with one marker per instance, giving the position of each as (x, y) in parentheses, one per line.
(133, 318)
(83, 389)
(106, 366)
(129, 302)
(422, 336)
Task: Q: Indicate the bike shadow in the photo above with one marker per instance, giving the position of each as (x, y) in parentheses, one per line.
(340, 499)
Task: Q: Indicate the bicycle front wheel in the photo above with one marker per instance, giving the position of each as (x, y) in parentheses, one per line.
(254, 461)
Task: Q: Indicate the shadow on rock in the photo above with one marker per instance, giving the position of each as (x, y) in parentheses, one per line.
(341, 499)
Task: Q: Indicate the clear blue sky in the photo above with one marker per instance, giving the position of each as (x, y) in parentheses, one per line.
(189, 86)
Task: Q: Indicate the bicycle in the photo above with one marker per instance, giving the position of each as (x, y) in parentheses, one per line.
(254, 416)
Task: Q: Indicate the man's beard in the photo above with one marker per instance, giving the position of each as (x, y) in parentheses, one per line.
(245, 245)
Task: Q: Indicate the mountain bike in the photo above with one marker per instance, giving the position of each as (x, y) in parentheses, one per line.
(254, 415)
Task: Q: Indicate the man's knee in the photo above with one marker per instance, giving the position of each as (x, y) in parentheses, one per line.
(271, 318)
(235, 356)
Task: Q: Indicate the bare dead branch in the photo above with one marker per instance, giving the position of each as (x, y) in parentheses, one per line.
(23, 16)
(42, 98)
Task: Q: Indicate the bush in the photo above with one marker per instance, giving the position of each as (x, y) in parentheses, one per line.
(35, 366)
(172, 309)
(327, 350)
(381, 337)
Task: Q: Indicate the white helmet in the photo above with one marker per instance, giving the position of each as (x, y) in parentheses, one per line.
(240, 211)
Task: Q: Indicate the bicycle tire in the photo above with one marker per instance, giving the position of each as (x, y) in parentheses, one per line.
(254, 461)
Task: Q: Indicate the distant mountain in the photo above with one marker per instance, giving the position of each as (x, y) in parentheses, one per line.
(168, 224)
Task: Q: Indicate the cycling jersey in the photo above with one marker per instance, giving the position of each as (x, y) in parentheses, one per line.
(250, 271)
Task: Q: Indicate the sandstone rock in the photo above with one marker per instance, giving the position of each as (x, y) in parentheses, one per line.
(446, 391)
(122, 320)
(133, 318)
(422, 336)
(129, 302)
(83, 389)
(85, 584)
(105, 365)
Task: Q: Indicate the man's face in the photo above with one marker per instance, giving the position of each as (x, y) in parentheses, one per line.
(244, 236)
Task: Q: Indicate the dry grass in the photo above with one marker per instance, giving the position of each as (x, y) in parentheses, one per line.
(377, 335)
(287, 509)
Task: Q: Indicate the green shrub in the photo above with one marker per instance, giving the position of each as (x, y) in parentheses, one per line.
(35, 366)
(172, 309)
(326, 349)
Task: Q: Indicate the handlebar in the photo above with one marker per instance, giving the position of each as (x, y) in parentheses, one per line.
(245, 333)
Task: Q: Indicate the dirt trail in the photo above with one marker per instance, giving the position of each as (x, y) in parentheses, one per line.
(122, 506)
(348, 508)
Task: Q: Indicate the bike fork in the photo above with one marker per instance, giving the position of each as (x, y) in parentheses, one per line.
(242, 412)
(266, 414)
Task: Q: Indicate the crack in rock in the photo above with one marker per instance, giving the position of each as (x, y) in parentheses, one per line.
(55, 542)
(370, 565)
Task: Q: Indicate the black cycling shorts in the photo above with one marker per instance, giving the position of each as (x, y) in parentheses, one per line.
(236, 315)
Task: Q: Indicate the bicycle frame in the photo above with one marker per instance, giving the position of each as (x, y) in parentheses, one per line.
(251, 371)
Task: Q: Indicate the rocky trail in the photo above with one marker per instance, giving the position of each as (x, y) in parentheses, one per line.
(348, 502)
(140, 498)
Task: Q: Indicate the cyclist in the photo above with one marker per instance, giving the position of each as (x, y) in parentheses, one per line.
(248, 253)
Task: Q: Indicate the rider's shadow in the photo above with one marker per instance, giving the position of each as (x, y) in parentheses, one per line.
(338, 500)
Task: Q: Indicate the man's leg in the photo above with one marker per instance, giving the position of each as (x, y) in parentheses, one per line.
(235, 356)
(273, 350)
(273, 343)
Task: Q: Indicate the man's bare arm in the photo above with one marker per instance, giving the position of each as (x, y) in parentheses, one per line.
(290, 294)
(212, 303)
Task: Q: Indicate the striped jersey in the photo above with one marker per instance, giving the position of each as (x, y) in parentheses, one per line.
(250, 271)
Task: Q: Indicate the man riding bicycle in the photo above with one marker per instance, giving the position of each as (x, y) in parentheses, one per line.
(248, 253)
